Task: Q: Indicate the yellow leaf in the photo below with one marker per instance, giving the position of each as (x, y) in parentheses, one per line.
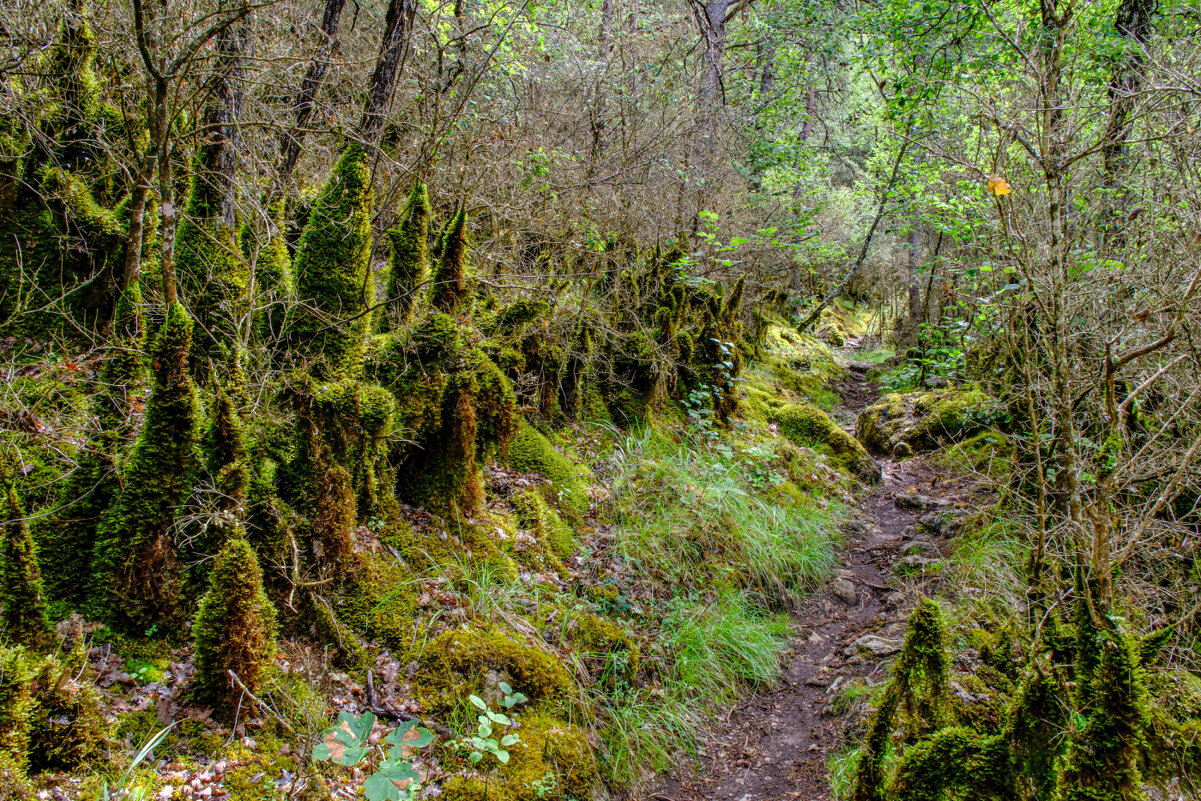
(998, 186)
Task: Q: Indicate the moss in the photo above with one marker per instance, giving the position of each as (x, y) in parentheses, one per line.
(213, 275)
(958, 759)
(610, 655)
(811, 427)
(380, 603)
(228, 465)
(410, 257)
(451, 287)
(550, 753)
(457, 663)
(553, 537)
(49, 720)
(1104, 754)
(234, 629)
(137, 570)
(328, 629)
(925, 420)
(21, 593)
(531, 452)
(333, 274)
(14, 785)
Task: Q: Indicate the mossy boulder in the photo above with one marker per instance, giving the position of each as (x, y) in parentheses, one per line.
(810, 427)
(461, 662)
(532, 452)
(903, 424)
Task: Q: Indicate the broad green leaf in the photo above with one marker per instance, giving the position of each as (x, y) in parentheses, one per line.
(509, 739)
(379, 787)
(503, 756)
(479, 702)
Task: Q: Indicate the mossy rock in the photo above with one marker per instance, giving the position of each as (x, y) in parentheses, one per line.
(458, 663)
(903, 424)
(810, 427)
(532, 452)
(380, 604)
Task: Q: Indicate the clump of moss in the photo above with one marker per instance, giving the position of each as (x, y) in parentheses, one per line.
(379, 602)
(901, 425)
(811, 427)
(457, 663)
(410, 256)
(451, 286)
(21, 595)
(958, 758)
(95, 483)
(48, 719)
(228, 464)
(138, 573)
(234, 629)
(333, 272)
(551, 534)
(532, 452)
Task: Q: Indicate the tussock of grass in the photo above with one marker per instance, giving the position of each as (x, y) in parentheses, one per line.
(692, 515)
(986, 564)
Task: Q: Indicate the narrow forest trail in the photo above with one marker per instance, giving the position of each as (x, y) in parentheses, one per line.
(776, 746)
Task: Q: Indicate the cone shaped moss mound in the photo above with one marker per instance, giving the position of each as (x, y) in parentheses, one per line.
(234, 629)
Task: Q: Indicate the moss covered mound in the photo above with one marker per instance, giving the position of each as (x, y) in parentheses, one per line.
(532, 452)
(903, 424)
(552, 759)
(812, 428)
(461, 662)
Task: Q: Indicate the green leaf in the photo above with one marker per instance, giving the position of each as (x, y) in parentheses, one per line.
(496, 717)
(509, 739)
(479, 702)
(503, 756)
(505, 688)
(475, 757)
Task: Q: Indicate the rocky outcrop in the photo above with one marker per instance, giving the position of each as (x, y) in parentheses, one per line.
(903, 424)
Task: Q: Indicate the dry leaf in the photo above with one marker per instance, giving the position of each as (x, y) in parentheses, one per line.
(998, 185)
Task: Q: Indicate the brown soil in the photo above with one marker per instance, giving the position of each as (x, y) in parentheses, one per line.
(777, 744)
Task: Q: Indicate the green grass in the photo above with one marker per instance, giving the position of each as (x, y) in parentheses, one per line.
(874, 355)
(987, 564)
(841, 769)
(692, 516)
(724, 644)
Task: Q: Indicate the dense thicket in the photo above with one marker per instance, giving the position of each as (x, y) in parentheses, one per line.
(271, 290)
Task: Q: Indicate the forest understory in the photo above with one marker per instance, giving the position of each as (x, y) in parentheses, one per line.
(748, 400)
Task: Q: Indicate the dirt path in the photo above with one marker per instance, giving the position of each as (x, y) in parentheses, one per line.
(776, 746)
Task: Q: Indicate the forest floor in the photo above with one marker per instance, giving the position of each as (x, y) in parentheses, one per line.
(778, 744)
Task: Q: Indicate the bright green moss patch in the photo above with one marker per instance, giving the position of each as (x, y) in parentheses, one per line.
(461, 661)
(901, 425)
(811, 427)
(532, 452)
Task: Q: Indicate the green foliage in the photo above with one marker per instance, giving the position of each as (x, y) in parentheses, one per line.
(409, 267)
(21, 594)
(956, 759)
(483, 743)
(234, 629)
(333, 274)
(137, 571)
(390, 775)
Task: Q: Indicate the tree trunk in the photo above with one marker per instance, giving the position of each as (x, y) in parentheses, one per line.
(1133, 22)
(709, 102)
(915, 287)
(218, 155)
(306, 98)
(397, 25)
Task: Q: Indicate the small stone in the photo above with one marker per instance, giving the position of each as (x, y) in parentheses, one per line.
(913, 564)
(894, 598)
(843, 573)
(816, 639)
(874, 645)
(912, 500)
(917, 547)
(845, 591)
